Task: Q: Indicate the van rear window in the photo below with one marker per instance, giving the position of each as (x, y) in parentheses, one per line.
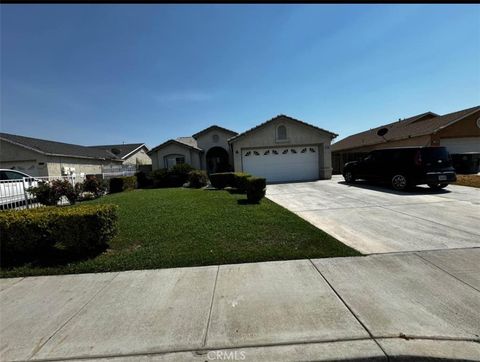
(435, 154)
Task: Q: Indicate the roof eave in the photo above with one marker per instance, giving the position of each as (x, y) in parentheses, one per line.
(135, 150)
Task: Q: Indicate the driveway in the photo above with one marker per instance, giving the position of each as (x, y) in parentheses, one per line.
(374, 219)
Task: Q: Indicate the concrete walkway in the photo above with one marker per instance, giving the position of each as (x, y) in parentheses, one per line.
(376, 219)
(396, 305)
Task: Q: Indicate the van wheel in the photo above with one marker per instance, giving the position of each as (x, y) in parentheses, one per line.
(399, 182)
(437, 186)
(349, 177)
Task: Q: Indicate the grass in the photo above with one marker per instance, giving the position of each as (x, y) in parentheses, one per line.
(468, 180)
(179, 227)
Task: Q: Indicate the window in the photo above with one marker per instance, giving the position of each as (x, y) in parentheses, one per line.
(215, 138)
(11, 175)
(281, 133)
(172, 160)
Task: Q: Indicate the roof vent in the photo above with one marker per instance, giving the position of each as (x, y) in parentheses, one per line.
(382, 131)
(115, 151)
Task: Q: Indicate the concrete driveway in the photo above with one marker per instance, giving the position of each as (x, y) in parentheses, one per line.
(374, 219)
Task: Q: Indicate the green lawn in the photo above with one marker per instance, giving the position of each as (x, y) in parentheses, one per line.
(164, 228)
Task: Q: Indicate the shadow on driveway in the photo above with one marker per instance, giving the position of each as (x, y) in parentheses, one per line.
(414, 191)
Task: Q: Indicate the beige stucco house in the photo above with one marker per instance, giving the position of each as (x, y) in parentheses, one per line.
(281, 149)
(38, 157)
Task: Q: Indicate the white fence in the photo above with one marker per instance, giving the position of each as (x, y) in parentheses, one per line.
(108, 175)
(14, 194)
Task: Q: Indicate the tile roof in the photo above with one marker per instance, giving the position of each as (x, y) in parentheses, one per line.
(124, 149)
(419, 125)
(53, 148)
(276, 118)
(198, 134)
(189, 141)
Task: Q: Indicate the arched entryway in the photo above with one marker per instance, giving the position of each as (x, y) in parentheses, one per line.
(217, 160)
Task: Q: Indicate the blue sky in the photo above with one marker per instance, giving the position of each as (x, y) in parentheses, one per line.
(99, 74)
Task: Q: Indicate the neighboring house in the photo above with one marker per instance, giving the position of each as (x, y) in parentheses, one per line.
(281, 149)
(458, 131)
(38, 157)
(134, 154)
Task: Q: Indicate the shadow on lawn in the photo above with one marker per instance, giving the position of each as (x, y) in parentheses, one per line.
(50, 257)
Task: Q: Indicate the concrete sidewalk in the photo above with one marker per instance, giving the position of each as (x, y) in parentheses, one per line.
(409, 305)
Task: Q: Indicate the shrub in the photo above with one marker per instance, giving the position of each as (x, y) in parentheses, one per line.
(197, 178)
(45, 194)
(255, 189)
(178, 175)
(142, 180)
(79, 229)
(240, 181)
(221, 180)
(93, 185)
(49, 193)
(65, 188)
(160, 178)
(119, 184)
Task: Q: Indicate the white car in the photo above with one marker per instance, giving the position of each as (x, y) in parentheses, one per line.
(13, 187)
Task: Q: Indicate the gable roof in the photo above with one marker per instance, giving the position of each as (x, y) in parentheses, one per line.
(53, 148)
(125, 149)
(188, 142)
(198, 134)
(419, 125)
(280, 116)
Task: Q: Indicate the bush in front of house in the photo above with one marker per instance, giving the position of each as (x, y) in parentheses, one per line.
(237, 180)
(240, 181)
(197, 178)
(160, 178)
(93, 185)
(78, 229)
(123, 183)
(255, 187)
(178, 175)
(49, 193)
(175, 177)
(143, 181)
(221, 180)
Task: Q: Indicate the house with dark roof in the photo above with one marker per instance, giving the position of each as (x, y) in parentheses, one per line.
(280, 149)
(39, 157)
(458, 131)
(134, 154)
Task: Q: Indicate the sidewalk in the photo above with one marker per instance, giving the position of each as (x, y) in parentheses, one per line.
(395, 305)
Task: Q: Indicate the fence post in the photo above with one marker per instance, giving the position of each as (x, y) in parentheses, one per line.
(25, 193)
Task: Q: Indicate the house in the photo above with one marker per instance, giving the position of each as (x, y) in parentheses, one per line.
(280, 149)
(134, 154)
(458, 131)
(38, 157)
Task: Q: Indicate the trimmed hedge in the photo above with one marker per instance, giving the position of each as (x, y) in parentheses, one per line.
(197, 178)
(232, 179)
(78, 229)
(240, 181)
(221, 180)
(255, 189)
(119, 184)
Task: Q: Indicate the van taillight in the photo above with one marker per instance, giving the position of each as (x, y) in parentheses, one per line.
(418, 158)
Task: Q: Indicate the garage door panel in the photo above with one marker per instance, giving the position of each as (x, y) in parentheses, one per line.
(278, 165)
(461, 145)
